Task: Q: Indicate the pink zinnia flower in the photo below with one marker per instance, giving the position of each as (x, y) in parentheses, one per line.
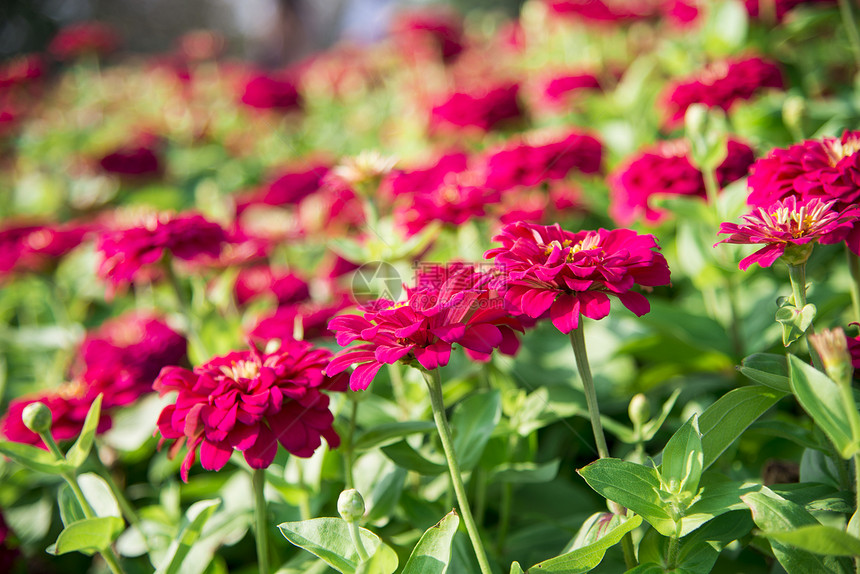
(126, 251)
(123, 357)
(426, 179)
(828, 168)
(249, 401)
(21, 70)
(69, 406)
(546, 268)
(84, 38)
(605, 10)
(721, 85)
(253, 282)
(449, 305)
(438, 30)
(131, 161)
(854, 351)
(38, 248)
(483, 110)
(524, 164)
(314, 318)
(268, 92)
(785, 225)
(557, 91)
(458, 200)
(666, 170)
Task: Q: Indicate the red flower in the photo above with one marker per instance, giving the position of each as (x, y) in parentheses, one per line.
(123, 357)
(828, 168)
(249, 401)
(558, 90)
(483, 110)
(854, 351)
(267, 92)
(69, 407)
(450, 305)
(546, 268)
(426, 179)
(21, 70)
(253, 282)
(721, 85)
(85, 38)
(786, 224)
(605, 10)
(126, 251)
(528, 165)
(458, 200)
(666, 170)
(314, 317)
(37, 247)
(132, 161)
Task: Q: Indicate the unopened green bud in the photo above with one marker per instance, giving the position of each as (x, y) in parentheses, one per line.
(350, 505)
(639, 410)
(37, 417)
(695, 120)
(793, 110)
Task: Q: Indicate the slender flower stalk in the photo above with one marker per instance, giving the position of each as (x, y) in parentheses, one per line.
(577, 341)
(797, 277)
(851, 29)
(259, 482)
(434, 384)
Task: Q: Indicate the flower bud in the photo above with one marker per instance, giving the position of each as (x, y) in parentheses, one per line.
(350, 505)
(793, 110)
(832, 347)
(37, 417)
(639, 410)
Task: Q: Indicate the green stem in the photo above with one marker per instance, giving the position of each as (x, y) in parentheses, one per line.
(185, 307)
(797, 276)
(348, 451)
(577, 341)
(124, 505)
(305, 498)
(398, 388)
(629, 552)
(851, 29)
(854, 267)
(355, 535)
(259, 482)
(504, 516)
(109, 556)
(712, 190)
(434, 384)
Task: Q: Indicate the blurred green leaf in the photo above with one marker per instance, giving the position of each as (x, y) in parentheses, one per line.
(526, 472)
(34, 458)
(329, 539)
(388, 433)
(407, 457)
(472, 423)
(767, 369)
(194, 520)
(683, 458)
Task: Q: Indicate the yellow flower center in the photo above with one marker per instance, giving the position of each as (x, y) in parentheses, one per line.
(72, 390)
(837, 150)
(242, 370)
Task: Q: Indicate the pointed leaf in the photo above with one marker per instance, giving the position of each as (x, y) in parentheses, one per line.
(767, 369)
(683, 458)
(34, 458)
(631, 485)
(473, 422)
(391, 432)
(772, 513)
(383, 561)
(820, 397)
(99, 495)
(526, 472)
(819, 539)
(80, 450)
(433, 552)
(195, 518)
(725, 420)
(588, 557)
(516, 568)
(651, 427)
(329, 539)
(88, 535)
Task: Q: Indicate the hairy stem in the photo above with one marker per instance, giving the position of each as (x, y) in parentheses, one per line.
(434, 384)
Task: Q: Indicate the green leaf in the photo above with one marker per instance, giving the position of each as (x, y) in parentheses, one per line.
(433, 552)
(588, 557)
(195, 518)
(631, 485)
(407, 457)
(391, 432)
(97, 493)
(725, 420)
(70, 509)
(767, 369)
(820, 397)
(714, 500)
(88, 535)
(383, 561)
(80, 450)
(525, 472)
(329, 539)
(516, 568)
(34, 458)
(682, 459)
(473, 422)
(790, 431)
(772, 513)
(794, 321)
(819, 539)
(726, 28)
